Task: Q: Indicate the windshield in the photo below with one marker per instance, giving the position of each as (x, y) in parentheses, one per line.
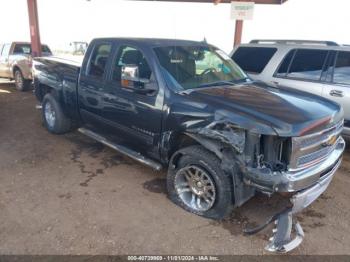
(198, 66)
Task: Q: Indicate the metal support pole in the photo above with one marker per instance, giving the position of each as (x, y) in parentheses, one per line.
(238, 32)
(34, 27)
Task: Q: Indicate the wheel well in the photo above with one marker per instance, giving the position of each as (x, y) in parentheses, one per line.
(181, 141)
(213, 148)
(41, 90)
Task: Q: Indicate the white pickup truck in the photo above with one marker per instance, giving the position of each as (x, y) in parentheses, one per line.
(16, 62)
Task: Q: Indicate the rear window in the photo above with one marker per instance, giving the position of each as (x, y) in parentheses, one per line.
(98, 60)
(341, 73)
(27, 49)
(253, 59)
(307, 64)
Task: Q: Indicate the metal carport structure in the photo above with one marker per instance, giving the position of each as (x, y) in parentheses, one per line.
(35, 31)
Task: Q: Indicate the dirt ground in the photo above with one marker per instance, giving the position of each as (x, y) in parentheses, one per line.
(70, 195)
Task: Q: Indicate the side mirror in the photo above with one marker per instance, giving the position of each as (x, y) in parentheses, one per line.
(130, 79)
(130, 73)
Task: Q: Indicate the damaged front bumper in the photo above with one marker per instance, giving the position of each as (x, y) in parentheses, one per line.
(319, 177)
(281, 240)
(305, 197)
(293, 181)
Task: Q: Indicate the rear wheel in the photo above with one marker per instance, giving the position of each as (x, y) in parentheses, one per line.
(199, 185)
(21, 83)
(53, 117)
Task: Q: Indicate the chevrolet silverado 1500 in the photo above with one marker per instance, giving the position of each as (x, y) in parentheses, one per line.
(187, 106)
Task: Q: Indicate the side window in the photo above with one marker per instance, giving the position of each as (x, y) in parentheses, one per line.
(307, 64)
(130, 56)
(341, 73)
(98, 60)
(6, 50)
(283, 69)
(253, 59)
(45, 49)
(22, 49)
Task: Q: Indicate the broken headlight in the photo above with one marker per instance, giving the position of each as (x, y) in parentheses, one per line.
(266, 151)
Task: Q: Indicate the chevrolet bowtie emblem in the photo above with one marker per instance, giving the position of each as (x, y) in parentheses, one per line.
(331, 141)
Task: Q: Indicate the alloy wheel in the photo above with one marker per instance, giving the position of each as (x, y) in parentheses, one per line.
(195, 188)
(19, 79)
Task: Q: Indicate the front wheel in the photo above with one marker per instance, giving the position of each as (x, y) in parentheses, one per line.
(198, 184)
(53, 117)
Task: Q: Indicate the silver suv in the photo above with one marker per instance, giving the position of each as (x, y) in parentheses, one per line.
(317, 67)
(16, 62)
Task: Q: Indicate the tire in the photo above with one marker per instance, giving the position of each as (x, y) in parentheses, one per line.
(197, 159)
(53, 117)
(21, 83)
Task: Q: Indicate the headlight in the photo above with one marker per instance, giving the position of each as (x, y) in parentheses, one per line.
(271, 152)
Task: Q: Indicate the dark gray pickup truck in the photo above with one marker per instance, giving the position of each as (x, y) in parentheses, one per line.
(187, 106)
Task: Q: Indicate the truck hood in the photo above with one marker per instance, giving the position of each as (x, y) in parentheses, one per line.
(257, 106)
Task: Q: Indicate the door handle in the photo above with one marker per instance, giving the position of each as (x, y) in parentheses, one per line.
(336, 93)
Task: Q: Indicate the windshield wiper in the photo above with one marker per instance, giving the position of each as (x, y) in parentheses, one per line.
(217, 83)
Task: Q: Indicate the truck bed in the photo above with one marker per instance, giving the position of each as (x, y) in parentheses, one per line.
(75, 61)
(60, 75)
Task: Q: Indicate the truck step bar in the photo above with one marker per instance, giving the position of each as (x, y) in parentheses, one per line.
(122, 149)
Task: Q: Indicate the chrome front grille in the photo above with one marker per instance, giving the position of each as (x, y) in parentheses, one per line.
(312, 149)
(314, 156)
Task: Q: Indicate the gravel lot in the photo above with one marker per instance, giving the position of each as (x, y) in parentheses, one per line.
(70, 195)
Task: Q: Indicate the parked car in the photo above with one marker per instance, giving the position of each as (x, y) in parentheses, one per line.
(16, 63)
(317, 67)
(79, 47)
(186, 106)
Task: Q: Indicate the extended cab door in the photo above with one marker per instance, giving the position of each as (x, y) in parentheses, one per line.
(136, 115)
(4, 61)
(92, 83)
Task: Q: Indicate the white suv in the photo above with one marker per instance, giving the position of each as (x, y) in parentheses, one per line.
(321, 68)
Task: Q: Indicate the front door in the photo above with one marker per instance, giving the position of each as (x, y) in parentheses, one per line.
(302, 69)
(136, 115)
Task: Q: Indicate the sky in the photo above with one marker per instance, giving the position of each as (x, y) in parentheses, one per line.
(64, 21)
